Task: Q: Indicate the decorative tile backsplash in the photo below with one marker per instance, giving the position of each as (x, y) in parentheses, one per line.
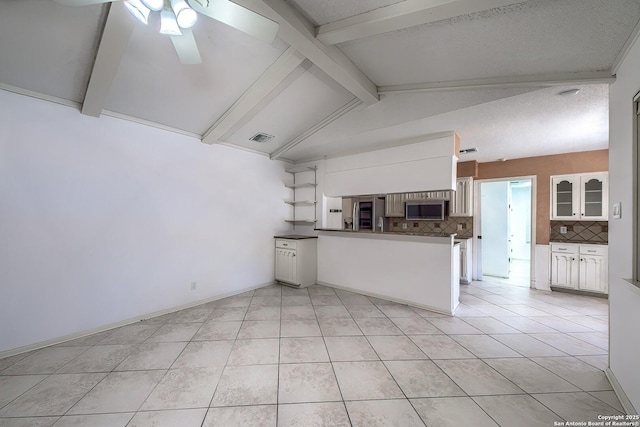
(448, 226)
(580, 232)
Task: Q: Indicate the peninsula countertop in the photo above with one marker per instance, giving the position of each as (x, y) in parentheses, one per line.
(391, 233)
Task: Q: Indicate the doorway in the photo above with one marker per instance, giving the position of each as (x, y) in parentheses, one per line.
(504, 241)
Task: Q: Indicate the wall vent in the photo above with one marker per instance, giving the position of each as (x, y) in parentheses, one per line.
(261, 137)
(469, 150)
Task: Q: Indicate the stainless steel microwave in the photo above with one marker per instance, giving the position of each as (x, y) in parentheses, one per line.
(430, 209)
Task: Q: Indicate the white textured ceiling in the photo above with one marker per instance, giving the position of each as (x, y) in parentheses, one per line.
(536, 37)
(323, 12)
(528, 124)
(48, 49)
(487, 69)
(153, 85)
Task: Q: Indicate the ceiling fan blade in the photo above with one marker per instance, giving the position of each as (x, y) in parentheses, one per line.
(187, 48)
(82, 2)
(238, 17)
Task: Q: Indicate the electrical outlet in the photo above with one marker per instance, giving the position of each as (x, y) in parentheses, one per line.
(404, 225)
(459, 227)
(563, 230)
(194, 285)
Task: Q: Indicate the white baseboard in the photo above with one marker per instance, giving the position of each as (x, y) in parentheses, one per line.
(60, 340)
(622, 397)
(386, 297)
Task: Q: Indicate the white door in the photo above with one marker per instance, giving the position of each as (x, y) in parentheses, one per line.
(520, 219)
(494, 228)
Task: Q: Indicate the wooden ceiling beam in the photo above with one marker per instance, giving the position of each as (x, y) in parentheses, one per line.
(114, 42)
(280, 74)
(539, 80)
(299, 33)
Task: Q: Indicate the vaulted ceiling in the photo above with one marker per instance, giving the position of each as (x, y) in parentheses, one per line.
(341, 75)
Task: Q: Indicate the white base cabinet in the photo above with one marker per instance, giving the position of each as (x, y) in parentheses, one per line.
(594, 269)
(296, 261)
(579, 267)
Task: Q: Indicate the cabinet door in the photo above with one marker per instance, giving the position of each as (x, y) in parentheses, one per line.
(593, 273)
(286, 270)
(461, 203)
(564, 270)
(594, 193)
(394, 205)
(565, 197)
(463, 264)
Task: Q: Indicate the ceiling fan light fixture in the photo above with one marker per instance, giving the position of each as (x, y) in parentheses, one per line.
(168, 23)
(185, 16)
(155, 5)
(138, 10)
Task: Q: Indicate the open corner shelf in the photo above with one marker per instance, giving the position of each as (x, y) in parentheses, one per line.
(304, 195)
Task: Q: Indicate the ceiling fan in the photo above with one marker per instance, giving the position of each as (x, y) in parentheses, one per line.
(178, 16)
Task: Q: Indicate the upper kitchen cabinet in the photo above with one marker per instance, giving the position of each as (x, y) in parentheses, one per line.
(580, 197)
(461, 203)
(394, 205)
(421, 165)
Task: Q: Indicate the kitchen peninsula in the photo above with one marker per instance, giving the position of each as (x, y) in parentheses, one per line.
(419, 270)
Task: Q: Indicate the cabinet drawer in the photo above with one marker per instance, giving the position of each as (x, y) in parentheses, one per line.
(594, 250)
(285, 244)
(565, 248)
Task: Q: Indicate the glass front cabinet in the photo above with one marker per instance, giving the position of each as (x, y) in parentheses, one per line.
(580, 197)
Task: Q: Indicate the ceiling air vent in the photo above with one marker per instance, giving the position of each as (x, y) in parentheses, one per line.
(261, 137)
(469, 150)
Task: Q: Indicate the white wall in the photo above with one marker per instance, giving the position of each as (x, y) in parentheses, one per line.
(418, 270)
(624, 298)
(103, 220)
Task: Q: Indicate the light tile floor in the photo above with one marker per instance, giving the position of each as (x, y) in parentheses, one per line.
(279, 356)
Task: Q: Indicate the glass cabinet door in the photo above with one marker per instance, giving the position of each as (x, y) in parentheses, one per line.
(564, 198)
(594, 196)
(565, 192)
(580, 196)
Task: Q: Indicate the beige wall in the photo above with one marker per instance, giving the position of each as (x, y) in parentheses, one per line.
(542, 167)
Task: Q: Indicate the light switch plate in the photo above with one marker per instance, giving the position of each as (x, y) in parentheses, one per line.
(617, 210)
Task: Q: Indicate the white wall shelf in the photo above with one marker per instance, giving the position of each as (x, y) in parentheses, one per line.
(300, 202)
(304, 196)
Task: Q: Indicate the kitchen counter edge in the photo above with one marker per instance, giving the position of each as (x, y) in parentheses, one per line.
(440, 238)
